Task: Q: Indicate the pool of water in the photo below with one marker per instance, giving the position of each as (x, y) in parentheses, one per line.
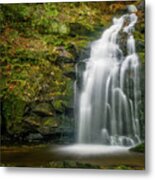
(42, 155)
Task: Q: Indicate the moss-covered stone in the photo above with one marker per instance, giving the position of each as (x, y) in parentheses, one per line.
(50, 122)
(58, 105)
(43, 109)
(33, 121)
(139, 148)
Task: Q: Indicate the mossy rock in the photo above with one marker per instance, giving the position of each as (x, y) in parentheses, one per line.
(43, 109)
(33, 120)
(49, 126)
(44, 126)
(58, 105)
(50, 122)
(139, 148)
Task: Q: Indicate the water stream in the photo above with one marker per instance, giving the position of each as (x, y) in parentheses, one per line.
(107, 89)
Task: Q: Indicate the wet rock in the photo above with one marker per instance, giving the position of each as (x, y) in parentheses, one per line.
(31, 137)
(85, 53)
(81, 66)
(69, 111)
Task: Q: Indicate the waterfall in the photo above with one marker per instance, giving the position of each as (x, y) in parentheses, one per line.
(107, 88)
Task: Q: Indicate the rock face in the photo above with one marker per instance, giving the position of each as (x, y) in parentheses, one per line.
(39, 47)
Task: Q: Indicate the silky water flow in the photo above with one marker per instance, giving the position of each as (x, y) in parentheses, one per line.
(107, 88)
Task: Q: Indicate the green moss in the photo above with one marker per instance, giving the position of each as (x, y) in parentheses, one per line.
(142, 57)
(138, 35)
(69, 89)
(28, 56)
(50, 122)
(123, 167)
(139, 148)
(58, 105)
(13, 110)
(72, 164)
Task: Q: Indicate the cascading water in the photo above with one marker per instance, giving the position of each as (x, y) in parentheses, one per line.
(108, 94)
